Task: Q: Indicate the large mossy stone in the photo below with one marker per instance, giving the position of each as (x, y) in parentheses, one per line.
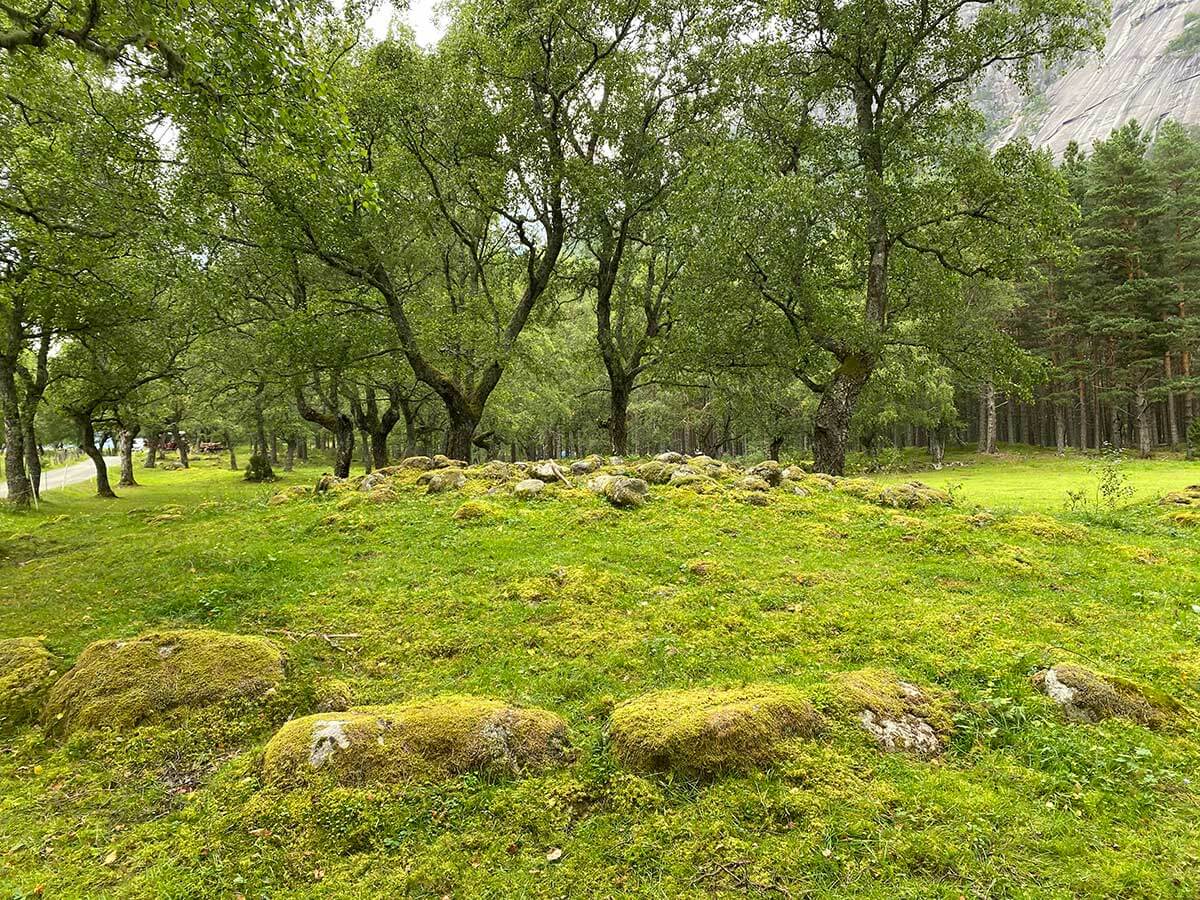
(1087, 696)
(707, 731)
(124, 683)
(26, 673)
(427, 739)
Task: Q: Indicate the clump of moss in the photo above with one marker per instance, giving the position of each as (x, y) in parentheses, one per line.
(333, 695)
(913, 495)
(426, 739)
(258, 469)
(1087, 696)
(695, 481)
(295, 492)
(1189, 496)
(898, 715)
(1188, 518)
(26, 673)
(474, 511)
(1045, 527)
(753, 483)
(123, 683)
(706, 731)
(769, 471)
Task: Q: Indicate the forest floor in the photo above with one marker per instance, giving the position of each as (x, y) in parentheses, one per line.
(568, 604)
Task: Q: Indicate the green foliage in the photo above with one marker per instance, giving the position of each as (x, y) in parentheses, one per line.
(258, 468)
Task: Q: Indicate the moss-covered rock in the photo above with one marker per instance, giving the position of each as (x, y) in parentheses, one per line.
(913, 495)
(440, 481)
(426, 739)
(27, 669)
(586, 466)
(1087, 696)
(769, 471)
(123, 683)
(420, 463)
(706, 731)
(1189, 496)
(693, 480)
(295, 492)
(475, 511)
(657, 471)
(620, 491)
(752, 483)
(528, 489)
(898, 715)
(671, 458)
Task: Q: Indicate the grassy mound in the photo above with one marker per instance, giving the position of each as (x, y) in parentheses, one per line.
(1087, 696)
(123, 683)
(911, 495)
(707, 731)
(26, 673)
(425, 739)
(898, 715)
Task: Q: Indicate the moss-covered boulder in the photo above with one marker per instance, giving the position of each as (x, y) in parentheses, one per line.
(420, 463)
(124, 683)
(686, 477)
(1189, 496)
(528, 489)
(587, 465)
(426, 739)
(1087, 696)
(657, 471)
(475, 510)
(752, 483)
(440, 481)
(769, 471)
(27, 669)
(898, 715)
(620, 491)
(295, 492)
(706, 731)
(671, 457)
(913, 495)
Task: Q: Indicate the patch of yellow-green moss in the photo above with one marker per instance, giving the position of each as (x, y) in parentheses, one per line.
(913, 495)
(899, 715)
(1044, 527)
(475, 511)
(1088, 696)
(422, 740)
(123, 683)
(26, 672)
(706, 731)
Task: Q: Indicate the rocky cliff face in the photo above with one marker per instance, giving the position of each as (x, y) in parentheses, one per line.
(1149, 71)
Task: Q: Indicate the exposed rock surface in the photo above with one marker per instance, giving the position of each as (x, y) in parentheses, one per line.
(1087, 696)
(528, 489)
(1138, 76)
(898, 715)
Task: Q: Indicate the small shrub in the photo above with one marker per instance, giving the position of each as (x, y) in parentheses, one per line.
(258, 469)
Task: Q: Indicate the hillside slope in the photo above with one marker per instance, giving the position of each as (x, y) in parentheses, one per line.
(1149, 70)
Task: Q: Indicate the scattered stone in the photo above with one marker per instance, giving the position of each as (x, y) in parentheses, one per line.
(26, 672)
(898, 715)
(550, 472)
(620, 491)
(586, 466)
(1087, 696)
(1189, 496)
(528, 489)
(426, 739)
(494, 470)
(769, 471)
(373, 481)
(753, 483)
(757, 499)
(124, 683)
(671, 457)
(913, 495)
(683, 477)
(657, 471)
(328, 483)
(793, 473)
(707, 465)
(439, 481)
(706, 731)
(422, 463)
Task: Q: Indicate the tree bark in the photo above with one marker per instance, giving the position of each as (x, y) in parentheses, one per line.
(20, 489)
(152, 451)
(339, 424)
(95, 454)
(180, 445)
(1142, 410)
(233, 463)
(831, 424)
(775, 449)
(127, 437)
(289, 459)
(1172, 422)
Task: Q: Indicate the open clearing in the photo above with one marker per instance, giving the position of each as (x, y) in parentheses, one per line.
(572, 606)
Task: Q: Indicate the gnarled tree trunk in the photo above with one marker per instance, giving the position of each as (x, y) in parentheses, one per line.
(126, 443)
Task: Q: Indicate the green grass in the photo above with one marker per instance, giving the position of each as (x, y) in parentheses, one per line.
(572, 606)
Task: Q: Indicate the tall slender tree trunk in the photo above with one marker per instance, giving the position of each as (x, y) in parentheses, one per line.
(1144, 433)
(289, 459)
(20, 488)
(233, 463)
(180, 445)
(366, 451)
(152, 451)
(126, 443)
(1060, 430)
(1172, 422)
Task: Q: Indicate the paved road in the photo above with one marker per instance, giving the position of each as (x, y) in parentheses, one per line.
(72, 474)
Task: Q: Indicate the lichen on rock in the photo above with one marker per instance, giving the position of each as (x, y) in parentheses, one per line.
(440, 481)
(27, 669)
(620, 491)
(124, 683)
(420, 740)
(1087, 696)
(657, 471)
(898, 715)
(528, 489)
(706, 731)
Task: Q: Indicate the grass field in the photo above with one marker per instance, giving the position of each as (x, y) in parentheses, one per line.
(573, 606)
